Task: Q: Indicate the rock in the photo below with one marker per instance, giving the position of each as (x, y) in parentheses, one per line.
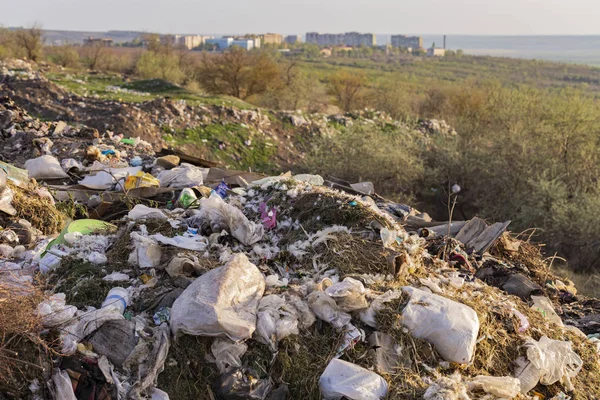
(168, 162)
(60, 127)
(6, 117)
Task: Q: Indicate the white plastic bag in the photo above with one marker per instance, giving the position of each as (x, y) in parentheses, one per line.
(222, 302)
(368, 315)
(348, 294)
(544, 305)
(54, 311)
(450, 326)
(141, 211)
(108, 177)
(63, 385)
(555, 360)
(45, 167)
(84, 323)
(326, 309)
(227, 354)
(344, 379)
(188, 242)
(274, 322)
(221, 215)
(184, 176)
(505, 387)
(146, 253)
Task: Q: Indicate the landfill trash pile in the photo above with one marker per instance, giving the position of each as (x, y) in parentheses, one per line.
(130, 274)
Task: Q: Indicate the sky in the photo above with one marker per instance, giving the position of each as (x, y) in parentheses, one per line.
(477, 17)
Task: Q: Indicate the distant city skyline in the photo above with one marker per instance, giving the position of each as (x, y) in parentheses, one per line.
(453, 17)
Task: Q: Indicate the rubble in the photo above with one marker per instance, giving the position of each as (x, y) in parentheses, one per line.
(210, 283)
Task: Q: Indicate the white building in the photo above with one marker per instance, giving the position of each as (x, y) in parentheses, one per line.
(436, 52)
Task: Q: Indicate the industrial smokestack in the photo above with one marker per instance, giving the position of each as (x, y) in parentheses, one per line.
(444, 42)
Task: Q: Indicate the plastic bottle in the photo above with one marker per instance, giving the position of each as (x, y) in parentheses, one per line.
(118, 298)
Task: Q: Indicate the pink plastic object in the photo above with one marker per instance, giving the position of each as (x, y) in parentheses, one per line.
(268, 216)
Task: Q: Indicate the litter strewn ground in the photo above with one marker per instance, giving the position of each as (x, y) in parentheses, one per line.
(130, 274)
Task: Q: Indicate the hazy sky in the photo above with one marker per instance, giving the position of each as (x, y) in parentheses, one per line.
(299, 16)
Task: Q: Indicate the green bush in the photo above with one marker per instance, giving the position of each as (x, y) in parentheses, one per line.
(390, 158)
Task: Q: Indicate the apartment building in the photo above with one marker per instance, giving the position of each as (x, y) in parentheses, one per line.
(191, 41)
(293, 39)
(352, 39)
(271, 38)
(407, 42)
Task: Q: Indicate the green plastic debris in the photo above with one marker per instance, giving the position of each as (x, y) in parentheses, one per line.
(128, 141)
(83, 226)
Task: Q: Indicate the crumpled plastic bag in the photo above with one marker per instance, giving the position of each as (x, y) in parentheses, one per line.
(342, 379)
(368, 315)
(54, 311)
(275, 322)
(45, 167)
(63, 385)
(349, 294)
(141, 211)
(544, 305)
(227, 354)
(146, 253)
(450, 326)
(108, 177)
(221, 215)
(505, 387)
(554, 359)
(222, 302)
(84, 323)
(325, 307)
(186, 175)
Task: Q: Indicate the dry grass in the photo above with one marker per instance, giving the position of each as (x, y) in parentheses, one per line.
(302, 359)
(407, 382)
(40, 212)
(24, 355)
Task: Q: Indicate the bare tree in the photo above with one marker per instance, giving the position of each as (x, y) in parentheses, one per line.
(93, 54)
(238, 73)
(348, 89)
(30, 40)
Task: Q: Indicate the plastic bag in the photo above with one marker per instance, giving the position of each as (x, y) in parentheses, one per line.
(84, 323)
(108, 177)
(368, 315)
(544, 305)
(6, 198)
(54, 311)
(141, 179)
(227, 354)
(146, 253)
(186, 175)
(275, 323)
(505, 387)
(450, 326)
(326, 309)
(221, 215)
(141, 211)
(187, 241)
(348, 294)
(344, 379)
(222, 302)
(385, 352)
(63, 385)
(555, 359)
(45, 167)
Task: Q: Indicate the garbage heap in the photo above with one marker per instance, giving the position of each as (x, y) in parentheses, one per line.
(131, 275)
